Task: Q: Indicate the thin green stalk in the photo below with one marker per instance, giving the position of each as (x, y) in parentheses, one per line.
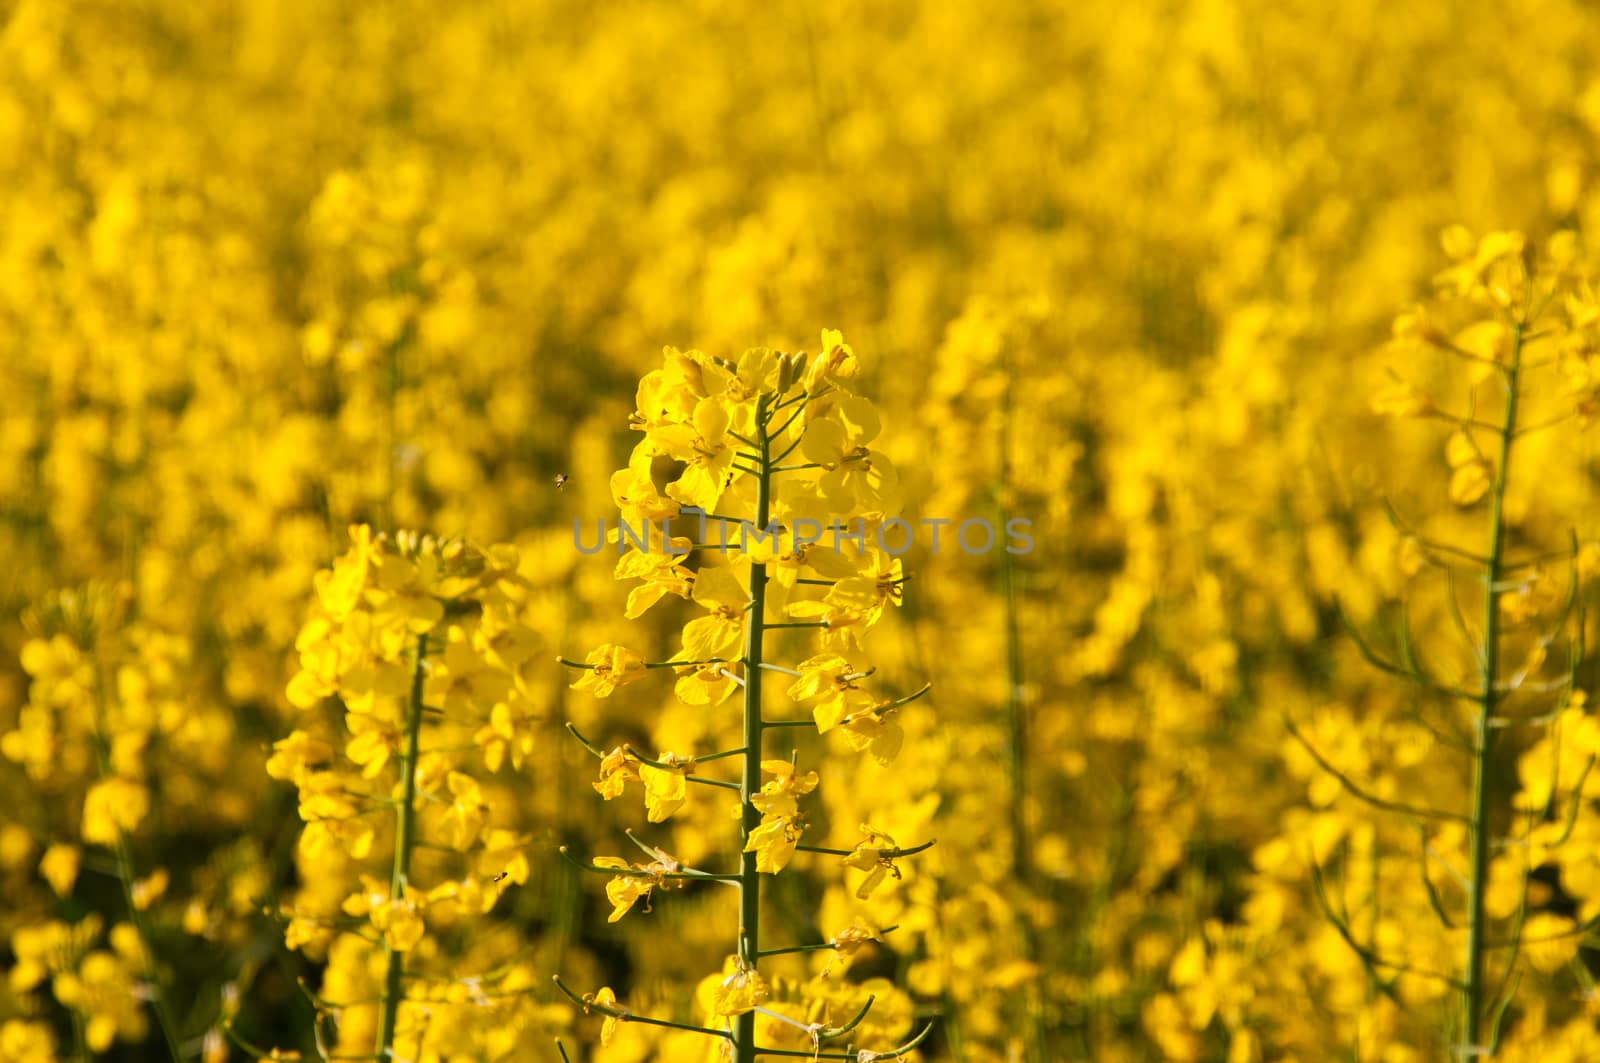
(563, 885)
(1016, 721)
(404, 843)
(80, 1042)
(1488, 702)
(164, 1018)
(590, 1004)
(393, 378)
(1016, 718)
(1373, 944)
(126, 876)
(750, 785)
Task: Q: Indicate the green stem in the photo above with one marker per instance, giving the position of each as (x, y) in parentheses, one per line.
(391, 423)
(80, 1041)
(1016, 723)
(164, 1018)
(820, 947)
(1016, 732)
(404, 842)
(1016, 716)
(749, 877)
(1488, 701)
(628, 1016)
(887, 854)
(126, 876)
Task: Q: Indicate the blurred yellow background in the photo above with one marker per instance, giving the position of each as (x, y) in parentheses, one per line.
(1127, 270)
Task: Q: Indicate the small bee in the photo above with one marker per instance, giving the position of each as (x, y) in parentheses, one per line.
(501, 876)
(561, 480)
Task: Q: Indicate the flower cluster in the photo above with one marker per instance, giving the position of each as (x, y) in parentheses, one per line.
(1512, 329)
(419, 644)
(112, 725)
(765, 442)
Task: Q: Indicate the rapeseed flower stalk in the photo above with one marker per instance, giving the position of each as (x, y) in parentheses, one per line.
(757, 451)
(105, 703)
(1518, 328)
(982, 420)
(421, 643)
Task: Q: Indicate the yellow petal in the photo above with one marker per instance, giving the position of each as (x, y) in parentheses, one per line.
(1470, 483)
